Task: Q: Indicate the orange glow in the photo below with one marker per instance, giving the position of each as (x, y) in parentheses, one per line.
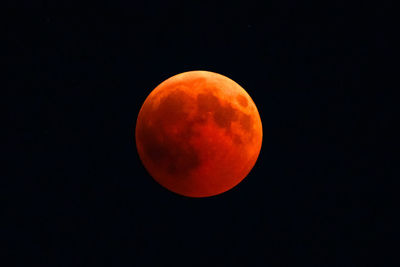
(198, 134)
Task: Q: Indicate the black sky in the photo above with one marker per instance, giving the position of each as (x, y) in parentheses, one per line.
(77, 77)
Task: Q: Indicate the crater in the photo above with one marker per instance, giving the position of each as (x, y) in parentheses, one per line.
(173, 155)
(237, 139)
(242, 100)
(172, 107)
(246, 121)
(207, 103)
(223, 114)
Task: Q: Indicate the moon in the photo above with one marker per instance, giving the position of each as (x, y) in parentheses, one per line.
(198, 134)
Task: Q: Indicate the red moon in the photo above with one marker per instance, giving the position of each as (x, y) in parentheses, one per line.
(198, 134)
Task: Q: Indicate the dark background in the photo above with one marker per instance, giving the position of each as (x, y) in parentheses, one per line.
(79, 195)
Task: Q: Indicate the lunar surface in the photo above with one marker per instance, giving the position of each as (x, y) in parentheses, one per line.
(198, 134)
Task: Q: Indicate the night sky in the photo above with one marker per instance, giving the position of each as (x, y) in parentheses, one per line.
(79, 195)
